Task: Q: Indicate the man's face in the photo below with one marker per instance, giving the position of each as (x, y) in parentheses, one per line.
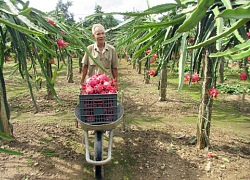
(99, 35)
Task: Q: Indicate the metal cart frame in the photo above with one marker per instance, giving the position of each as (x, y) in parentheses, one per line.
(99, 129)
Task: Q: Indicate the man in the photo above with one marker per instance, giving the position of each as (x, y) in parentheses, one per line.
(104, 54)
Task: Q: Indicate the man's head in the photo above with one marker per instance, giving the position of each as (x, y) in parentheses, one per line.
(98, 33)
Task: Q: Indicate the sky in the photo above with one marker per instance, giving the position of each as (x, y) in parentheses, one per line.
(82, 8)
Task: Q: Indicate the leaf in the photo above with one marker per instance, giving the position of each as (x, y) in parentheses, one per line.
(196, 16)
(228, 31)
(26, 5)
(156, 41)
(237, 13)
(4, 136)
(24, 19)
(241, 55)
(10, 152)
(174, 135)
(20, 28)
(162, 8)
(237, 48)
(26, 11)
(228, 5)
(147, 36)
(192, 140)
(174, 38)
(41, 45)
(121, 24)
(162, 24)
(170, 149)
(225, 159)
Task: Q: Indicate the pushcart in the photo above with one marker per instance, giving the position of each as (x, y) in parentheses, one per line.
(99, 129)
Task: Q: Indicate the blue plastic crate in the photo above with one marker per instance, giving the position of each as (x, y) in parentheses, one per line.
(98, 108)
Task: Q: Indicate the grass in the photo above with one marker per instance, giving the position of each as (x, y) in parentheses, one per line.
(47, 140)
(49, 153)
(30, 162)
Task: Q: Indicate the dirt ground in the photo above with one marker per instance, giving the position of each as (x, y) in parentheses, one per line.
(156, 142)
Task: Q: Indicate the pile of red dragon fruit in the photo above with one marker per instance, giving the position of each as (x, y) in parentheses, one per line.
(100, 84)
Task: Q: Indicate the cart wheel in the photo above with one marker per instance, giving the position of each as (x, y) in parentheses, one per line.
(98, 154)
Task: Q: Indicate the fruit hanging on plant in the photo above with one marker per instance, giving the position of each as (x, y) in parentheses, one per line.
(213, 92)
(152, 72)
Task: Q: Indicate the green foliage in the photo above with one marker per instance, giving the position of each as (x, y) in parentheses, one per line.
(233, 88)
(108, 21)
(237, 13)
(49, 153)
(7, 151)
(4, 136)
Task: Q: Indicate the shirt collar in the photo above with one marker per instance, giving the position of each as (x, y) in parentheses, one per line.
(105, 46)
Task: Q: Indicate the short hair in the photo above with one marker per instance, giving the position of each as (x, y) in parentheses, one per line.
(96, 25)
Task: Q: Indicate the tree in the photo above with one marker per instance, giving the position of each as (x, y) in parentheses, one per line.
(4, 108)
(99, 17)
(63, 8)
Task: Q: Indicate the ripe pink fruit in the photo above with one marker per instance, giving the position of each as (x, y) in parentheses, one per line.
(243, 76)
(62, 31)
(152, 72)
(89, 89)
(50, 21)
(191, 40)
(113, 90)
(102, 78)
(62, 43)
(148, 51)
(209, 155)
(248, 35)
(187, 78)
(152, 60)
(98, 88)
(92, 81)
(7, 58)
(106, 83)
(195, 77)
(213, 92)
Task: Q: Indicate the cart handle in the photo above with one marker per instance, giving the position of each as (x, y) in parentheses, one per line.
(90, 161)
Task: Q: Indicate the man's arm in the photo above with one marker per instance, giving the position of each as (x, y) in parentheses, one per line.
(84, 73)
(115, 73)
